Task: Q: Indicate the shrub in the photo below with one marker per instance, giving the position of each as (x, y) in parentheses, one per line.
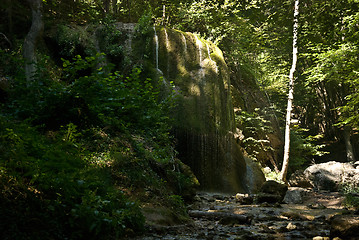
(49, 182)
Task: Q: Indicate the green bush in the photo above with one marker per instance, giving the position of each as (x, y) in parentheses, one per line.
(74, 40)
(255, 130)
(110, 39)
(99, 98)
(351, 193)
(304, 148)
(49, 182)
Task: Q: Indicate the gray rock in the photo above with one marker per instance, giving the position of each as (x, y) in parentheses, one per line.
(274, 187)
(295, 195)
(254, 176)
(298, 179)
(272, 192)
(291, 226)
(244, 198)
(321, 238)
(328, 176)
(269, 198)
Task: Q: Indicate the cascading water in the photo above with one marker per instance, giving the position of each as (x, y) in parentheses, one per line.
(184, 43)
(157, 47)
(168, 51)
(200, 46)
(209, 52)
(156, 43)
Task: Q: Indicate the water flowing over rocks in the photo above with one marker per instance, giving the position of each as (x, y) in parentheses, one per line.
(218, 216)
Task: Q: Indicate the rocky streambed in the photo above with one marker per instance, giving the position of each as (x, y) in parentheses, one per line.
(219, 216)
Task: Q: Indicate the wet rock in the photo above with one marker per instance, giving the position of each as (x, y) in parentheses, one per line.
(321, 238)
(229, 220)
(317, 206)
(345, 227)
(219, 197)
(291, 226)
(238, 218)
(266, 217)
(244, 198)
(254, 175)
(274, 187)
(328, 176)
(272, 192)
(295, 216)
(269, 198)
(320, 218)
(295, 195)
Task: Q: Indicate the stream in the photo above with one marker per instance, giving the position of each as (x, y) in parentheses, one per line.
(218, 216)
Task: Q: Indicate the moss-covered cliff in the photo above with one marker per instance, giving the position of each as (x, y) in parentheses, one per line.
(204, 119)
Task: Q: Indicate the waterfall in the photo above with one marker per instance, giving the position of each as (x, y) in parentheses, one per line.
(168, 52)
(156, 42)
(157, 46)
(199, 45)
(209, 52)
(184, 42)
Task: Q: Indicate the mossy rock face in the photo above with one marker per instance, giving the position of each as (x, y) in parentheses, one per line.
(204, 117)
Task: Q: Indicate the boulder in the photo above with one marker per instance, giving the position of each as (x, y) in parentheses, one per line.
(273, 187)
(298, 179)
(244, 198)
(345, 227)
(254, 176)
(272, 192)
(295, 195)
(330, 175)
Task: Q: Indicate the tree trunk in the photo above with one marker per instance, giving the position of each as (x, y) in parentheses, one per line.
(348, 144)
(283, 174)
(32, 37)
(114, 7)
(106, 4)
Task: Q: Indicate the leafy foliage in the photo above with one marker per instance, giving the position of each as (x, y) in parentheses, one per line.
(255, 129)
(69, 174)
(110, 39)
(66, 194)
(304, 148)
(73, 40)
(351, 196)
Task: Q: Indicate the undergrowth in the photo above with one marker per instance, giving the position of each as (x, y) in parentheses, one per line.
(78, 152)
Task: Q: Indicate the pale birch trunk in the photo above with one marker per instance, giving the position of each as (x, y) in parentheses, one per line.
(32, 37)
(283, 174)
